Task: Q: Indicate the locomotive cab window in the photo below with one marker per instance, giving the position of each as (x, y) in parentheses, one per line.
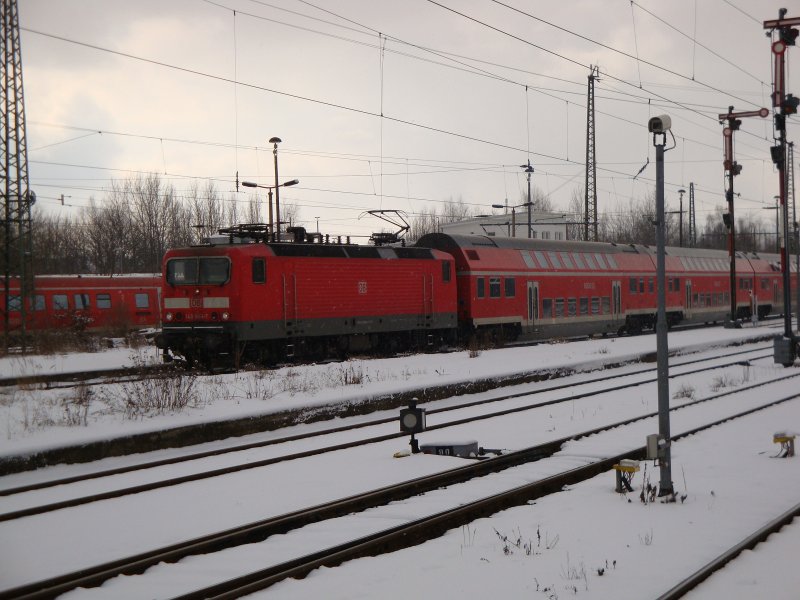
(259, 270)
(103, 300)
(198, 271)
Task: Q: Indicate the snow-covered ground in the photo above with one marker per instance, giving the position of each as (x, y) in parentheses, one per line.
(553, 548)
(34, 419)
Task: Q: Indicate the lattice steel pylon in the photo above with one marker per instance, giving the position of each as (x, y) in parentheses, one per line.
(590, 200)
(16, 196)
(692, 221)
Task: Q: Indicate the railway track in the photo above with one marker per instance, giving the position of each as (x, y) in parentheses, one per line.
(411, 533)
(432, 526)
(748, 543)
(106, 376)
(93, 377)
(678, 370)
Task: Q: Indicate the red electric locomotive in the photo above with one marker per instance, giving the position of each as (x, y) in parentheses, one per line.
(243, 297)
(514, 288)
(96, 303)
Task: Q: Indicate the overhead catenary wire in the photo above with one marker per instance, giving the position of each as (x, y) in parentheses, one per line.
(236, 145)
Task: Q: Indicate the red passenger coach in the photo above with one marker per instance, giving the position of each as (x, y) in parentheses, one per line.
(96, 303)
(520, 288)
(247, 298)
(514, 288)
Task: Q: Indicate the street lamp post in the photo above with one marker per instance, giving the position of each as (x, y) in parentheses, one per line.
(528, 170)
(275, 141)
(275, 187)
(514, 216)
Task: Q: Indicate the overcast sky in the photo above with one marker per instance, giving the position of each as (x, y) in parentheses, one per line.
(468, 91)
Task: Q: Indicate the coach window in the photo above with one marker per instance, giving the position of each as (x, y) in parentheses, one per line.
(494, 287)
(542, 260)
(601, 263)
(641, 285)
(677, 284)
(554, 260)
(142, 300)
(572, 307)
(606, 305)
(81, 301)
(481, 282)
(259, 270)
(511, 287)
(632, 285)
(584, 306)
(567, 260)
(595, 306)
(579, 260)
(445, 271)
(650, 285)
(559, 307)
(103, 300)
(669, 284)
(38, 302)
(14, 303)
(60, 302)
(547, 308)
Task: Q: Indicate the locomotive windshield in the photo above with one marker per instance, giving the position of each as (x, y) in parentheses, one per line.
(198, 271)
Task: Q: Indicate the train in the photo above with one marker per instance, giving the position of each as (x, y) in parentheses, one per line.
(85, 303)
(244, 297)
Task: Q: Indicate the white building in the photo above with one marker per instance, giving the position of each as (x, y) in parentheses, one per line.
(544, 226)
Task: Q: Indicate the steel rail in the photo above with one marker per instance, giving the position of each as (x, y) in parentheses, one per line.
(258, 531)
(154, 485)
(750, 542)
(343, 428)
(430, 527)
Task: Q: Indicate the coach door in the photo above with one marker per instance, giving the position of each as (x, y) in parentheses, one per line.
(616, 301)
(289, 302)
(688, 300)
(533, 304)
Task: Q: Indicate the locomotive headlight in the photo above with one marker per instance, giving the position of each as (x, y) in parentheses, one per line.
(168, 316)
(225, 316)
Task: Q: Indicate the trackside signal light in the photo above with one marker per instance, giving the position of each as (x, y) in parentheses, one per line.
(788, 35)
(412, 420)
(789, 106)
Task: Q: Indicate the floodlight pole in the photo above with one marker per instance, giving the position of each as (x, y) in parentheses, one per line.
(665, 487)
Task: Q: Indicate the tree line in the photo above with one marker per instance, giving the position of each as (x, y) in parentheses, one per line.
(135, 224)
(141, 217)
